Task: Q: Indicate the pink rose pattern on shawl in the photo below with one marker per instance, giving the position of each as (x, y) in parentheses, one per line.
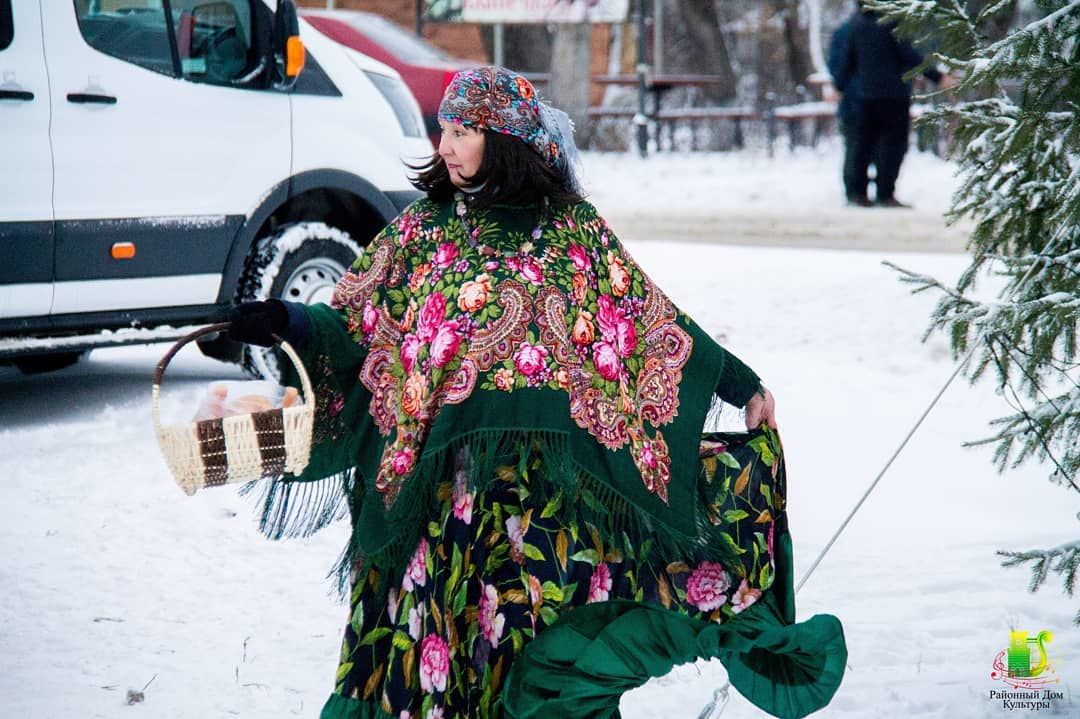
(463, 501)
(529, 359)
(415, 622)
(434, 664)
(491, 620)
(463, 498)
(515, 532)
(600, 583)
(707, 587)
(744, 597)
(570, 311)
(416, 573)
(410, 350)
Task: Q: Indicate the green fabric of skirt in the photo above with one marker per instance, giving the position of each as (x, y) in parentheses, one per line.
(575, 650)
(582, 666)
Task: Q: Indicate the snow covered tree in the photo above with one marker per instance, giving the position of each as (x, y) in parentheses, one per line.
(1016, 139)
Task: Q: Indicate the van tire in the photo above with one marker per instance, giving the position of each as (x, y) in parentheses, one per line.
(302, 263)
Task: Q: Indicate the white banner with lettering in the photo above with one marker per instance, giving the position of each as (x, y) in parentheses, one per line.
(528, 11)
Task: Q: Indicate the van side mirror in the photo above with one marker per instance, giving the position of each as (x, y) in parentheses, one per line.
(289, 50)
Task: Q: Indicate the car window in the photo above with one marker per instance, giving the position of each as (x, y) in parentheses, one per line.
(131, 30)
(214, 40)
(7, 24)
(397, 40)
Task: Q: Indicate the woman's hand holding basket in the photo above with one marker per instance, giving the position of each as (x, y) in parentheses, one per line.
(257, 323)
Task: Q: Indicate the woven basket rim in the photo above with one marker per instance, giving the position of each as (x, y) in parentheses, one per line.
(301, 430)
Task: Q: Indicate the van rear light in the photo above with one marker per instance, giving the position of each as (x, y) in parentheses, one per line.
(447, 78)
(122, 250)
(294, 56)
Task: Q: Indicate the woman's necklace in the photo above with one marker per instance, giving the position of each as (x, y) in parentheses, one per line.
(472, 235)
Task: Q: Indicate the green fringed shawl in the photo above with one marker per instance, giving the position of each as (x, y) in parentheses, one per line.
(545, 334)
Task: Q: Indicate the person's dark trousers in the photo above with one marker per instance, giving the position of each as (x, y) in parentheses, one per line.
(883, 125)
(847, 132)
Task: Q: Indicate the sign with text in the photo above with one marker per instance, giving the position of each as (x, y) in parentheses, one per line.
(527, 11)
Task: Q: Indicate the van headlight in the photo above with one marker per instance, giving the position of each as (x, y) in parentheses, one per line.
(402, 101)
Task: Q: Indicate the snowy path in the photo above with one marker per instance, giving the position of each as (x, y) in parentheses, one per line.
(790, 200)
(835, 229)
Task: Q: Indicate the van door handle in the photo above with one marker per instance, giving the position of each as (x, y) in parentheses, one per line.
(24, 95)
(90, 97)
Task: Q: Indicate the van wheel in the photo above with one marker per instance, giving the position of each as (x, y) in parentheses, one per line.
(38, 364)
(298, 263)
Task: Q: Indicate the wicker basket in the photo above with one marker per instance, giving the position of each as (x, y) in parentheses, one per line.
(240, 448)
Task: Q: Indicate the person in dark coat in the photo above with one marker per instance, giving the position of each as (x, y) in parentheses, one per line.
(847, 110)
(876, 62)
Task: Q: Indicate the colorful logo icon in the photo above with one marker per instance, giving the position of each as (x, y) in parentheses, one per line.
(1024, 664)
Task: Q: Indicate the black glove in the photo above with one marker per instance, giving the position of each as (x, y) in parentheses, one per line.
(255, 323)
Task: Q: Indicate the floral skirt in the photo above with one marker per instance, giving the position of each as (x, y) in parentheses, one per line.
(495, 568)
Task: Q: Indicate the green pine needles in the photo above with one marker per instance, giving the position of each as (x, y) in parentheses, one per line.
(1016, 139)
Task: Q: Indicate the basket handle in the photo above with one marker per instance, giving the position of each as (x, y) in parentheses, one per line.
(305, 381)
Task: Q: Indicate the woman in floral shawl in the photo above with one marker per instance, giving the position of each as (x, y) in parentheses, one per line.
(511, 413)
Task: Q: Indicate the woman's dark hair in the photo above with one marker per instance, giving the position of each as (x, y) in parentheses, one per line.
(512, 173)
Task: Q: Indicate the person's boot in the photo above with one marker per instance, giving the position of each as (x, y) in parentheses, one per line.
(894, 203)
(859, 201)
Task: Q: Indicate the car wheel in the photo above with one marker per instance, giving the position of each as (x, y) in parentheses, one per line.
(38, 364)
(298, 263)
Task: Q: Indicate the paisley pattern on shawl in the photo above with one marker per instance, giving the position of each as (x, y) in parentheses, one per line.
(564, 308)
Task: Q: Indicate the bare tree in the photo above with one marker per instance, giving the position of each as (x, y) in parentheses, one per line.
(526, 48)
(697, 44)
(570, 61)
(796, 41)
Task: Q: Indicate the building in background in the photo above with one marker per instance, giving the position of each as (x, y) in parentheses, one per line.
(528, 47)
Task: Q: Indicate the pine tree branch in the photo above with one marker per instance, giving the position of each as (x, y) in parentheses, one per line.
(1072, 547)
(1062, 367)
(1032, 29)
(1047, 415)
(1067, 563)
(926, 282)
(1016, 141)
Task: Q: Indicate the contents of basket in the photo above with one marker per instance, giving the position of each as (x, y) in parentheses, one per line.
(230, 398)
(242, 431)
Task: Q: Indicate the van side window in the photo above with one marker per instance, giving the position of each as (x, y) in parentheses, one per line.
(7, 24)
(214, 40)
(132, 30)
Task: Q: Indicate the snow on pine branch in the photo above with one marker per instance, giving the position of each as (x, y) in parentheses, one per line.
(1015, 136)
(1063, 559)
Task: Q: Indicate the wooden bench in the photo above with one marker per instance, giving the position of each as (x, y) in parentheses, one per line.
(693, 115)
(600, 112)
(822, 113)
(603, 112)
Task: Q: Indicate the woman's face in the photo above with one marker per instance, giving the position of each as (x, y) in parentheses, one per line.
(462, 149)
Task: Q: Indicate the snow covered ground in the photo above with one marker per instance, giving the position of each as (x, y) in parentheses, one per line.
(788, 200)
(113, 579)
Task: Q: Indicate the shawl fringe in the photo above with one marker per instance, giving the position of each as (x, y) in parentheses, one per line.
(291, 508)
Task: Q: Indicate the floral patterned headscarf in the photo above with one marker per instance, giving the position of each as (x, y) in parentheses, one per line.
(494, 98)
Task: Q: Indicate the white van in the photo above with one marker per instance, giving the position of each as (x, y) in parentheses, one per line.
(159, 160)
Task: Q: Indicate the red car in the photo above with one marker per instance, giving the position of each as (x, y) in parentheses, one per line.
(426, 69)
